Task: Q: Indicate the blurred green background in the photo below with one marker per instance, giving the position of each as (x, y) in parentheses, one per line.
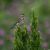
(10, 10)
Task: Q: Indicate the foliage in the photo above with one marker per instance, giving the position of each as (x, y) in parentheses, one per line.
(23, 40)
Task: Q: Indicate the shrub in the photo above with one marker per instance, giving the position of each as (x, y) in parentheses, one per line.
(24, 40)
